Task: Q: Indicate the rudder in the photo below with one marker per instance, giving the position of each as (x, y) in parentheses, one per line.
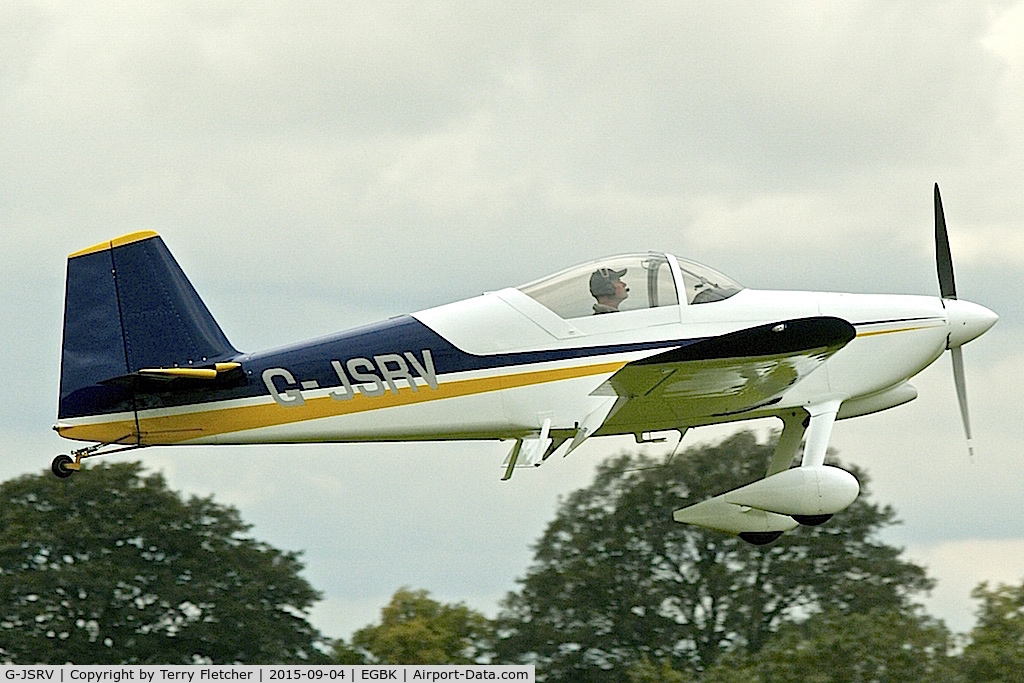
(129, 306)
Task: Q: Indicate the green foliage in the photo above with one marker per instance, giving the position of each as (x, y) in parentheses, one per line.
(996, 649)
(872, 647)
(111, 567)
(615, 580)
(735, 667)
(414, 629)
(343, 652)
(646, 671)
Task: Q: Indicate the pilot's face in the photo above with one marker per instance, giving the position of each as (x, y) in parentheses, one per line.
(621, 291)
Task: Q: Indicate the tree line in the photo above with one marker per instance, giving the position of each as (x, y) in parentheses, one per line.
(113, 567)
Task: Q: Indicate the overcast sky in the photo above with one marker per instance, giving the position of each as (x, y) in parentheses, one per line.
(319, 165)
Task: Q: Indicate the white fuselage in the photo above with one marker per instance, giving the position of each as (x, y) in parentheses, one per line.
(897, 337)
(532, 381)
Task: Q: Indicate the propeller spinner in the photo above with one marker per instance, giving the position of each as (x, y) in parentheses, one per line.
(966, 320)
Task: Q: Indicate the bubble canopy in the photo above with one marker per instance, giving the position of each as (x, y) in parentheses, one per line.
(651, 280)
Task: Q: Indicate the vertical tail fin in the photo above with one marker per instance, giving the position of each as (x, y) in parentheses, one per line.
(129, 306)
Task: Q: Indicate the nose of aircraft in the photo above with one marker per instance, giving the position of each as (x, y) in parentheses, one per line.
(967, 321)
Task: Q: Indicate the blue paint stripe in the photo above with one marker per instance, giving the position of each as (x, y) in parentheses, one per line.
(310, 361)
(406, 333)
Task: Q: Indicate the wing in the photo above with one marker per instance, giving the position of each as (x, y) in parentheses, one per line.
(721, 376)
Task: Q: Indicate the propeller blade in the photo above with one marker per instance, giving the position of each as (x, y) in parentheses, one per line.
(943, 259)
(961, 393)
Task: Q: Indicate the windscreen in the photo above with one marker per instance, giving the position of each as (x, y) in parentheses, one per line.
(620, 283)
(705, 285)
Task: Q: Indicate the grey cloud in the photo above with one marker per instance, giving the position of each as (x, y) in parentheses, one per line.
(323, 165)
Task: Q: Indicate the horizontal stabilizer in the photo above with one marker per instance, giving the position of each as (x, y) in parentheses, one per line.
(194, 373)
(171, 379)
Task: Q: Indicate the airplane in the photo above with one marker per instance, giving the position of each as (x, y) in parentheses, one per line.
(634, 344)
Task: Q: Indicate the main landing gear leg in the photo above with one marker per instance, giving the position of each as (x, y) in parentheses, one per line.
(819, 429)
(63, 466)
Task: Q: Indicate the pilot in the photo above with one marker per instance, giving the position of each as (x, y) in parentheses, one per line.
(609, 290)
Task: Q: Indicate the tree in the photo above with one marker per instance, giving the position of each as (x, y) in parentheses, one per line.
(343, 652)
(616, 580)
(996, 648)
(873, 647)
(112, 567)
(646, 671)
(415, 629)
(876, 647)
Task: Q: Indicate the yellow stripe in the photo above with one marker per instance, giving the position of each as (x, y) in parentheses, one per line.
(899, 329)
(132, 237)
(105, 432)
(172, 429)
(116, 242)
(194, 373)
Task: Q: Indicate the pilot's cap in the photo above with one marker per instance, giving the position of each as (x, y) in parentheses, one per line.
(602, 281)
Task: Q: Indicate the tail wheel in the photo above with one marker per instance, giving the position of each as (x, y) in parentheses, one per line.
(60, 466)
